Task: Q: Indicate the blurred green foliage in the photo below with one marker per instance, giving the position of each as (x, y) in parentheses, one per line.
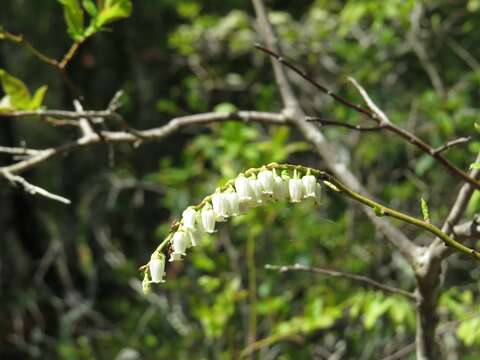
(70, 285)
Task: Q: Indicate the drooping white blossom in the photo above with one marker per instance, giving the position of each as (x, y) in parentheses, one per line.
(295, 189)
(189, 217)
(257, 190)
(233, 202)
(180, 242)
(157, 268)
(243, 188)
(194, 236)
(309, 185)
(220, 206)
(280, 187)
(265, 177)
(208, 218)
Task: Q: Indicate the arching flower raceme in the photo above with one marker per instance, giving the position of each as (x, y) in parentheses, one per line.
(208, 219)
(189, 217)
(265, 177)
(260, 186)
(157, 268)
(309, 185)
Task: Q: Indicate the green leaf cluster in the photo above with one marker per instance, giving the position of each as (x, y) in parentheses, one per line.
(106, 12)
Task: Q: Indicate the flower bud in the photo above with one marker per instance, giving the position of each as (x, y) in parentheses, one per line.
(295, 188)
(157, 268)
(309, 185)
(189, 217)
(265, 177)
(208, 219)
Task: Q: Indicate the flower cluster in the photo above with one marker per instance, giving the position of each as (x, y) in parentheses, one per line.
(239, 195)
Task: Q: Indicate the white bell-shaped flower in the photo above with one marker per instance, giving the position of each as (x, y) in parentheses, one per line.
(189, 217)
(233, 202)
(208, 218)
(180, 242)
(295, 189)
(194, 235)
(157, 268)
(280, 188)
(220, 206)
(265, 177)
(243, 188)
(309, 186)
(257, 190)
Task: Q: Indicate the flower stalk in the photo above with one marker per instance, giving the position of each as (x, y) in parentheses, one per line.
(258, 186)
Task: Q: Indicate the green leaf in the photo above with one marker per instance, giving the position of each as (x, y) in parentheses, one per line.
(18, 96)
(37, 99)
(113, 10)
(73, 14)
(225, 108)
(16, 90)
(90, 7)
(477, 126)
(475, 166)
(425, 210)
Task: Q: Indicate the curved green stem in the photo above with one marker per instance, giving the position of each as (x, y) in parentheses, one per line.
(334, 183)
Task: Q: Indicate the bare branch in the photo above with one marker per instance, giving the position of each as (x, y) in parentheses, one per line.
(147, 135)
(422, 54)
(17, 180)
(289, 99)
(468, 230)
(325, 122)
(340, 274)
(451, 144)
(374, 113)
(18, 151)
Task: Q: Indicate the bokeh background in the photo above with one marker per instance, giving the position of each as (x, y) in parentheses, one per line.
(70, 286)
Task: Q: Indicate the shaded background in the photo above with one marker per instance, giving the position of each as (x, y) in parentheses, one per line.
(69, 281)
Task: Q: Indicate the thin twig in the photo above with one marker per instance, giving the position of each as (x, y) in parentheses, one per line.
(325, 122)
(340, 274)
(375, 113)
(148, 135)
(451, 144)
(17, 180)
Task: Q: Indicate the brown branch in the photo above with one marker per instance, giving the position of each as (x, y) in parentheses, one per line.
(325, 122)
(60, 65)
(375, 114)
(451, 144)
(147, 135)
(17, 180)
(340, 274)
